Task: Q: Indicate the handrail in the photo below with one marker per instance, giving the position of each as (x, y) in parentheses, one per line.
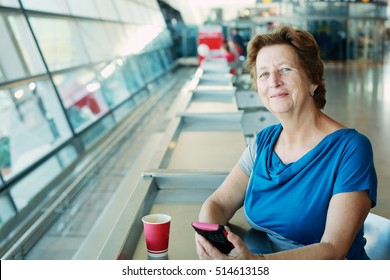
(184, 173)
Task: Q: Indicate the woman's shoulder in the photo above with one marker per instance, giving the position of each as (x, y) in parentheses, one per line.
(268, 134)
(270, 130)
(352, 142)
(351, 135)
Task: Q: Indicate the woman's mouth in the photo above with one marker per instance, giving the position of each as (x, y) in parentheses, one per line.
(279, 95)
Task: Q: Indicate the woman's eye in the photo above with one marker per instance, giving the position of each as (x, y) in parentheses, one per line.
(285, 70)
(264, 75)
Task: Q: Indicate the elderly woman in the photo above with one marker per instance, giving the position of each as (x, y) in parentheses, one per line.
(308, 182)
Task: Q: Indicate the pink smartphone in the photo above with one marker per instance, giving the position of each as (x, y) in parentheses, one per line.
(215, 234)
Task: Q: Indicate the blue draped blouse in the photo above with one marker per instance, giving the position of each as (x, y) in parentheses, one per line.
(292, 199)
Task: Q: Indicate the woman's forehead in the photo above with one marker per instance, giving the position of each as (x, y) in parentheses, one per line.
(276, 55)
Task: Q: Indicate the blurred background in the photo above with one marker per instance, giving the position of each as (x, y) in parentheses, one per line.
(72, 71)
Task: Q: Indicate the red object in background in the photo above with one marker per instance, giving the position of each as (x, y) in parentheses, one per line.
(211, 36)
(230, 57)
(90, 101)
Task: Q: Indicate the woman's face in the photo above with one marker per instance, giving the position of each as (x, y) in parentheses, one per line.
(282, 83)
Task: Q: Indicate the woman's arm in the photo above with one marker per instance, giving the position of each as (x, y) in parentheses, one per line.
(220, 207)
(227, 199)
(346, 215)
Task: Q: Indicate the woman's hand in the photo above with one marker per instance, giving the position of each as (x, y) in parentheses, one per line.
(206, 251)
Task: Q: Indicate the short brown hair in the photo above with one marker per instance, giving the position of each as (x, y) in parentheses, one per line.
(306, 48)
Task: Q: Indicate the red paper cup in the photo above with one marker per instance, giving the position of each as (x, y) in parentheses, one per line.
(156, 229)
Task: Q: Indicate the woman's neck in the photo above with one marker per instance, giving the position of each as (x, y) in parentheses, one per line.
(299, 137)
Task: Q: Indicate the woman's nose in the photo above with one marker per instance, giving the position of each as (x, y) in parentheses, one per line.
(274, 80)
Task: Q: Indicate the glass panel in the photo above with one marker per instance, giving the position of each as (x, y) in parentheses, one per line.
(60, 42)
(32, 124)
(151, 66)
(133, 75)
(157, 17)
(157, 63)
(331, 37)
(137, 12)
(122, 111)
(6, 210)
(85, 8)
(323, 9)
(67, 155)
(189, 38)
(116, 38)
(98, 45)
(161, 39)
(165, 58)
(171, 56)
(140, 96)
(140, 38)
(1, 73)
(363, 9)
(365, 39)
(5, 155)
(54, 6)
(26, 189)
(106, 10)
(147, 15)
(17, 49)
(131, 46)
(122, 7)
(98, 131)
(152, 4)
(144, 68)
(10, 3)
(113, 83)
(82, 97)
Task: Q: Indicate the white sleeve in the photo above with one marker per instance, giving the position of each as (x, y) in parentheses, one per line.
(248, 157)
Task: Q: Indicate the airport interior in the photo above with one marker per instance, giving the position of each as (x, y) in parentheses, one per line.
(114, 109)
